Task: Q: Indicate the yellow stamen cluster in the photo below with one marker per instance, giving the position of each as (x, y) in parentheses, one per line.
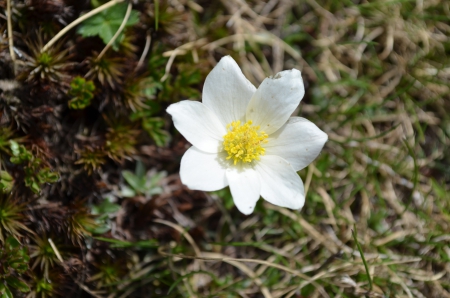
(243, 142)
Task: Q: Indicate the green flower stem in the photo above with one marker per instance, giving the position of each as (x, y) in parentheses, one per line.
(113, 39)
(78, 21)
(355, 237)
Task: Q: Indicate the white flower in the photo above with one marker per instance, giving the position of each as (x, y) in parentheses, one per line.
(245, 137)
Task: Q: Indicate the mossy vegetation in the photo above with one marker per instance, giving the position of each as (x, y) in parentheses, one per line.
(91, 204)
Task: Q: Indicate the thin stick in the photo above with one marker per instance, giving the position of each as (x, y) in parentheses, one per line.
(78, 21)
(308, 178)
(116, 35)
(148, 41)
(58, 255)
(10, 32)
(180, 50)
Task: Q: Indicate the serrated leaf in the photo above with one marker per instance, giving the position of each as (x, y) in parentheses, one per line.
(106, 23)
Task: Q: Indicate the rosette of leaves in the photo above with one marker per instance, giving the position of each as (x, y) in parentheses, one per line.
(142, 183)
(13, 262)
(107, 70)
(91, 158)
(121, 140)
(11, 218)
(80, 222)
(36, 173)
(43, 254)
(49, 67)
(20, 153)
(82, 92)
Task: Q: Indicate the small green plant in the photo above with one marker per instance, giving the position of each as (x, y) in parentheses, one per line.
(91, 159)
(20, 153)
(138, 91)
(82, 92)
(6, 181)
(43, 254)
(13, 262)
(45, 287)
(36, 173)
(80, 222)
(108, 273)
(183, 85)
(104, 212)
(107, 70)
(11, 217)
(6, 134)
(50, 286)
(121, 140)
(152, 125)
(106, 24)
(142, 183)
(48, 67)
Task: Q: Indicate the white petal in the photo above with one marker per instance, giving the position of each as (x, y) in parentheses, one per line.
(299, 142)
(245, 187)
(203, 171)
(227, 92)
(280, 184)
(275, 100)
(198, 125)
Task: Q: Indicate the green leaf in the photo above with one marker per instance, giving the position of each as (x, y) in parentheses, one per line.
(12, 243)
(5, 292)
(17, 284)
(6, 181)
(153, 127)
(140, 170)
(127, 192)
(105, 207)
(21, 154)
(106, 23)
(124, 244)
(14, 147)
(137, 183)
(101, 229)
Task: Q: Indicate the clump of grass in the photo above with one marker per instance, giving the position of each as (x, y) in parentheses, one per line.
(11, 217)
(48, 67)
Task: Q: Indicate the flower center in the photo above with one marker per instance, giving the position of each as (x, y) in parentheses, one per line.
(243, 142)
